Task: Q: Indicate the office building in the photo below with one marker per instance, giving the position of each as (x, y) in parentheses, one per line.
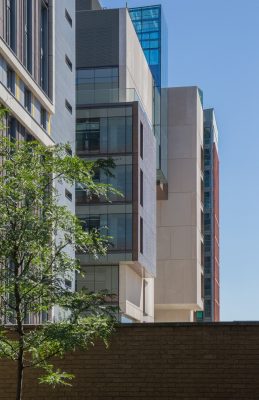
(37, 74)
(115, 119)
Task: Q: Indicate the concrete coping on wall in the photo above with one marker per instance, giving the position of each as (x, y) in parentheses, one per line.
(150, 325)
(189, 324)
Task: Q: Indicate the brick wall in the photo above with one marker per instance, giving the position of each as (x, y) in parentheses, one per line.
(162, 361)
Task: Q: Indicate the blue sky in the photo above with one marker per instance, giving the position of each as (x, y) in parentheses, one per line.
(214, 44)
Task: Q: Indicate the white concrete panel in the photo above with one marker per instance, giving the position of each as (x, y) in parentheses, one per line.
(178, 282)
(183, 175)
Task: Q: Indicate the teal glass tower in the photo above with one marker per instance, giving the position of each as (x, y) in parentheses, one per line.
(151, 29)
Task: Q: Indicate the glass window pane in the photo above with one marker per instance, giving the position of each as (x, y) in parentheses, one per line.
(87, 282)
(115, 280)
(103, 278)
(128, 231)
(154, 57)
(150, 13)
(128, 194)
(116, 134)
(116, 224)
(118, 181)
(102, 72)
(128, 134)
(154, 35)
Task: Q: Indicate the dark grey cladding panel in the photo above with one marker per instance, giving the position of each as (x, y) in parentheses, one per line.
(97, 38)
(88, 5)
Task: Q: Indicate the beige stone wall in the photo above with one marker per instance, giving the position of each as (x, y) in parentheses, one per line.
(178, 282)
(134, 70)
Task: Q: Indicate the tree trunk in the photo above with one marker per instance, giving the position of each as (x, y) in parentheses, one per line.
(20, 370)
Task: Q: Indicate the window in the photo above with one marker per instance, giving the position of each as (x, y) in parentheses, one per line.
(141, 235)
(207, 200)
(117, 226)
(68, 195)
(121, 180)
(207, 242)
(207, 286)
(141, 140)
(207, 179)
(116, 138)
(107, 131)
(12, 128)
(92, 222)
(207, 221)
(207, 308)
(43, 118)
(202, 254)
(207, 157)
(88, 135)
(99, 278)
(10, 80)
(44, 44)
(27, 99)
(207, 136)
(207, 264)
(69, 107)
(98, 85)
(68, 18)
(27, 34)
(120, 230)
(68, 284)
(10, 23)
(202, 222)
(69, 62)
(141, 187)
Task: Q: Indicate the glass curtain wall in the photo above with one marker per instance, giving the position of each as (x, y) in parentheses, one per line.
(151, 29)
(147, 23)
(97, 85)
(107, 132)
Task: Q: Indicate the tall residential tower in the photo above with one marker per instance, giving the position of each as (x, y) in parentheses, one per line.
(211, 219)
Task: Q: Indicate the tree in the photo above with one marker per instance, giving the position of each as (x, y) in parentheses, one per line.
(35, 233)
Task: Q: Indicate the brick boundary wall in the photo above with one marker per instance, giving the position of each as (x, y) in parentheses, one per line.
(157, 361)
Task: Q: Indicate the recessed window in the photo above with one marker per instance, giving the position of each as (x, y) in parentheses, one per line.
(141, 235)
(43, 118)
(27, 34)
(68, 106)
(10, 80)
(141, 140)
(141, 187)
(68, 195)
(68, 283)
(69, 62)
(27, 99)
(44, 45)
(12, 128)
(68, 17)
(10, 24)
